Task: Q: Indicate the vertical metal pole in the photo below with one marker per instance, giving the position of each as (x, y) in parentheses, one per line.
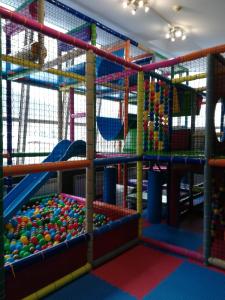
(60, 102)
(93, 34)
(9, 114)
(222, 120)
(186, 117)
(60, 119)
(169, 167)
(126, 100)
(94, 43)
(140, 109)
(41, 17)
(2, 277)
(209, 131)
(24, 109)
(60, 116)
(71, 105)
(190, 174)
(90, 151)
(25, 121)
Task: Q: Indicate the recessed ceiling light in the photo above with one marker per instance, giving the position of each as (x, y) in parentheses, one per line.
(147, 9)
(133, 11)
(167, 35)
(124, 4)
(141, 3)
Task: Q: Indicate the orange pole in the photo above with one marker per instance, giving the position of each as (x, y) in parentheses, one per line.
(115, 47)
(140, 56)
(202, 53)
(45, 167)
(127, 53)
(114, 210)
(217, 163)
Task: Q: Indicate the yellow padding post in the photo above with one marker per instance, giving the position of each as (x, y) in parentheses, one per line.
(32, 65)
(189, 78)
(140, 109)
(176, 105)
(219, 263)
(52, 287)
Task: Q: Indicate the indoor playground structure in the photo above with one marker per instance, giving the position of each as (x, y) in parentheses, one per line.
(100, 138)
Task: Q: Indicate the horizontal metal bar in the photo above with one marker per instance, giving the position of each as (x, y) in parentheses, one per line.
(116, 160)
(174, 159)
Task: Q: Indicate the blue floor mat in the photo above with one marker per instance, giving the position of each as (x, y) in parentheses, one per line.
(174, 236)
(190, 282)
(89, 287)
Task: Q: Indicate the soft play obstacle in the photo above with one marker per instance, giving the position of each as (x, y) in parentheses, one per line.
(130, 142)
(109, 186)
(23, 191)
(113, 128)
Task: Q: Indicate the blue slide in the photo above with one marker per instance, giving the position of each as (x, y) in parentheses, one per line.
(27, 187)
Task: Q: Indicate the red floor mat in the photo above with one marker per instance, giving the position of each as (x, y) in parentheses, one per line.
(138, 270)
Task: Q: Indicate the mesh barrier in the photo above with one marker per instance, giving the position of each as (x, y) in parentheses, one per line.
(116, 118)
(44, 120)
(48, 107)
(218, 150)
(176, 112)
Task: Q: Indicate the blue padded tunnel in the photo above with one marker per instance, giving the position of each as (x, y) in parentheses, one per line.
(112, 128)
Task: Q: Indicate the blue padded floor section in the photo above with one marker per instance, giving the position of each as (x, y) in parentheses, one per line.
(89, 287)
(190, 282)
(174, 236)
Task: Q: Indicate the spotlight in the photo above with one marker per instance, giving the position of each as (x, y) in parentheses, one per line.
(124, 4)
(167, 35)
(178, 33)
(141, 3)
(133, 10)
(175, 32)
(147, 9)
(135, 4)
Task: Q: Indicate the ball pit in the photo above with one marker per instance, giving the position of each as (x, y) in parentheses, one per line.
(44, 223)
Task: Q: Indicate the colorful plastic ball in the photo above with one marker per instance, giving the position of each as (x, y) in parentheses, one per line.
(63, 229)
(34, 240)
(24, 239)
(42, 241)
(39, 236)
(26, 253)
(38, 247)
(57, 237)
(48, 237)
(69, 236)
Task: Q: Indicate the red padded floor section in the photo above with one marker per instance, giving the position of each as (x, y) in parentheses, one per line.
(138, 270)
(145, 223)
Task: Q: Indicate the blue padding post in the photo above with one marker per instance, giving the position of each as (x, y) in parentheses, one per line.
(154, 206)
(109, 185)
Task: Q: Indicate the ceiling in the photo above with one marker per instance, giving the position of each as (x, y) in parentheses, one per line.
(202, 19)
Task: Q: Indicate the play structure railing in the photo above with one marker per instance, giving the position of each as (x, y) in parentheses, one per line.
(36, 168)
